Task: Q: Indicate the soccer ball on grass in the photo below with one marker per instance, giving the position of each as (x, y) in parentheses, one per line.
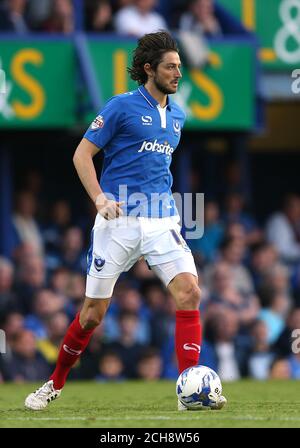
(198, 387)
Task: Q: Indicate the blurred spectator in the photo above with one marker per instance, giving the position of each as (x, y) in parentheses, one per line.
(38, 12)
(12, 324)
(126, 345)
(110, 367)
(23, 253)
(60, 220)
(75, 292)
(232, 252)
(61, 19)
(263, 259)
(99, 15)
(280, 369)
(155, 295)
(277, 279)
(224, 294)
(60, 281)
(274, 314)
(208, 19)
(283, 229)
(8, 299)
(261, 355)
(119, 4)
(150, 365)
(235, 214)
(12, 16)
(159, 317)
(206, 247)
(235, 231)
(139, 19)
(200, 18)
(56, 327)
(31, 278)
(127, 299)
(71, 253)
(223, 350)
(26, 362)
(46, 303)
(25, 223)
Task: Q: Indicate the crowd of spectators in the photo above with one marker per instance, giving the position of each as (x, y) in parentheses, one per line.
(248, 274)
(125, 17)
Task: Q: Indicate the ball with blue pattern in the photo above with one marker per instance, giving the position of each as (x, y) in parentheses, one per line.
(198, 387)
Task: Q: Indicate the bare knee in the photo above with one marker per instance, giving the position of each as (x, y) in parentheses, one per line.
(188, 297)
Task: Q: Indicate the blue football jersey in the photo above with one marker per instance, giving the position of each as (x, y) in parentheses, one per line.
(138, 138)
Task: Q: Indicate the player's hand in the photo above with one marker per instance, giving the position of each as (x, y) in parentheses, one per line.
(107, 208)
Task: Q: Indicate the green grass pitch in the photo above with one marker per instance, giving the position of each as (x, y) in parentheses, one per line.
(135, 404)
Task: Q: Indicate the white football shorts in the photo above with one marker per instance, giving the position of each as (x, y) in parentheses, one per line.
(117, 244)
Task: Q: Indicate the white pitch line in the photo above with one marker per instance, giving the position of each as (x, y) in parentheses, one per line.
(155, 418)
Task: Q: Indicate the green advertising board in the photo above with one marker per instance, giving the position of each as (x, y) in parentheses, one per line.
(40, 84)
(277, 25)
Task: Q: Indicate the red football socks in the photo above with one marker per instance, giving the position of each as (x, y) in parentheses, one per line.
(74, 343)
(187, 338)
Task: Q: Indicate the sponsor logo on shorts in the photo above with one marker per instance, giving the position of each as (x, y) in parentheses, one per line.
(192, 346)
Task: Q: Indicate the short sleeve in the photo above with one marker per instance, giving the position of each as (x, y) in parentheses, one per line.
(106, 124)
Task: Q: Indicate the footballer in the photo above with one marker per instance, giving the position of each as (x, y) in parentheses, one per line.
(138, 132)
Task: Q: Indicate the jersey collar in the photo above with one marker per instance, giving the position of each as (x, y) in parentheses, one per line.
(152, 101)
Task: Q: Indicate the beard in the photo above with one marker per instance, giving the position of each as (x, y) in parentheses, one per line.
(162, 88)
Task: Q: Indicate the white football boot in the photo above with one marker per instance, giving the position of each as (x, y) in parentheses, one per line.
(181, 406)
(218, 404)
(39, 399)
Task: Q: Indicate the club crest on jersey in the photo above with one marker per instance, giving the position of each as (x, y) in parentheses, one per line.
(176, 126)
(99, 263)
(146, 120)
(98, 123)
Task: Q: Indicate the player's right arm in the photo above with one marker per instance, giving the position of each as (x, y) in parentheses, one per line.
(83, 162)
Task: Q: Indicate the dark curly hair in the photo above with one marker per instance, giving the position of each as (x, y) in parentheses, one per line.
(151, 48)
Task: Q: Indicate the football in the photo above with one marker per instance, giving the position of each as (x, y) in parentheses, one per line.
(198, 387)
